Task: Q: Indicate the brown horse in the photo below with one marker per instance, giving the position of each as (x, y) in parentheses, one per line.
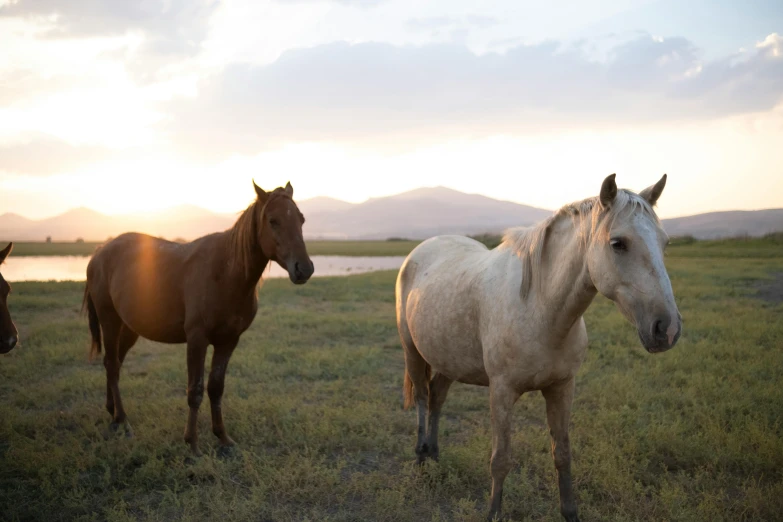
(8, 334)
(202, 293)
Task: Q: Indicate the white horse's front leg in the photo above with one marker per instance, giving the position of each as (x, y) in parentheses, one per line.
(501, 398)
(558, 413)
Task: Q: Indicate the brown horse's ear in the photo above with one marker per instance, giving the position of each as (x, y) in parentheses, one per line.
(4, 252)
(608, 191)
(289, 190)
(652, 193)
(261, 193)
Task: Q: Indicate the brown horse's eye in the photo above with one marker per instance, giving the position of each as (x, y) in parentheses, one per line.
(275, 223)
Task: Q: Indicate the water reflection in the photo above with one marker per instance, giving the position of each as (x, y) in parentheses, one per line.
(73, 268)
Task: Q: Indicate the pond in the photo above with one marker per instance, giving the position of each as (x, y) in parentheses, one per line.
(73, 268)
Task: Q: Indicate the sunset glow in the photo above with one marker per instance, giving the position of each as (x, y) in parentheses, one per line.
(186, 106)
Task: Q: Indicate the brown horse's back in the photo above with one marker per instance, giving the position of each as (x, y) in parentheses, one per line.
(139, 279)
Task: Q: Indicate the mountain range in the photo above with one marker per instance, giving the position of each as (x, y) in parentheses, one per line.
(416, 214)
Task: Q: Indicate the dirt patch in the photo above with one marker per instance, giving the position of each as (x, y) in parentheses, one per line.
(771, 290)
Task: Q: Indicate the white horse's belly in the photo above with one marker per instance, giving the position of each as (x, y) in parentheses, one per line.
(446, 336)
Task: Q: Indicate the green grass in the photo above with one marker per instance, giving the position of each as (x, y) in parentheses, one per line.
(314, 248)
(769, 246)
(313, 398)
(361, 248)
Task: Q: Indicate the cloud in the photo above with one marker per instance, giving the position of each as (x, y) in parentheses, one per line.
(749, 81)
(40, 155)
(482, 20)
(184, 19)
(438, 23)
(353, 3)
(18, 86)
(380, 91)
(172, 29)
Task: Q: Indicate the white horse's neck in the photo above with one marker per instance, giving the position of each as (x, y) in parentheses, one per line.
(565, 289)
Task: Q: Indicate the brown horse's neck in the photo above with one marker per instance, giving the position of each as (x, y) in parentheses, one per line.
(246, 258)
(567, 289)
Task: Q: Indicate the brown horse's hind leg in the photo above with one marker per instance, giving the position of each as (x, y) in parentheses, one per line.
(125, 342)
(217, 376)
(112, 330)
(197, 352)
(439, 388)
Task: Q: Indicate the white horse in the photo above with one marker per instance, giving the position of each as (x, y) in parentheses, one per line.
(511, 318)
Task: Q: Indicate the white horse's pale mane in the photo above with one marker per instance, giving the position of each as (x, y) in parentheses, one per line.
(590, 217)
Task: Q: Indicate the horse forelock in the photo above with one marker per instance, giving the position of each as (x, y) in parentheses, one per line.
(244, 234)
(590, 218)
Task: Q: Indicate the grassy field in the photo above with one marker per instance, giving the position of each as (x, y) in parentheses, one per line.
(755, 247)
(313, 398)
(315, 248)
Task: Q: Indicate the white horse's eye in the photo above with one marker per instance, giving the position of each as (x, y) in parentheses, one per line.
(617, 244)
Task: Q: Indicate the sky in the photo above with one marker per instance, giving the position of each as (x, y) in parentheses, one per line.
(131, 106)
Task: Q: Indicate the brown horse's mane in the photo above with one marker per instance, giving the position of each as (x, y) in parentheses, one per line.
(243, 236)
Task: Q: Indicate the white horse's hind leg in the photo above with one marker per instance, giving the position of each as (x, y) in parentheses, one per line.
(439, 388)
(558, 413)
(502, 399)
(417, 390)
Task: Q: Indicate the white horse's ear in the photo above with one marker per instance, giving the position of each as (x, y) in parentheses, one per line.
(652, 193)
(289, 190)
(261, 193)
(608, 191)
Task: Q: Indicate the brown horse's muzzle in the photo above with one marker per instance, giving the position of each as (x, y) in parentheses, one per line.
(8, 342)
(300, 271)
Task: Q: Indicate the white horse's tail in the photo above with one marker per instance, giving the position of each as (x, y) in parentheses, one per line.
(407, 385)
(415, 365)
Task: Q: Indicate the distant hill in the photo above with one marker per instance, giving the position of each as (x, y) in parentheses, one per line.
(422, 213)
(322, 204)
(416, 214)
(186, 222)
(713, 225)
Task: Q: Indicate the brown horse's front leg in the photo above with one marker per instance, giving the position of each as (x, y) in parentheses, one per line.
(197, 351)
(558, 413)
(217, 377)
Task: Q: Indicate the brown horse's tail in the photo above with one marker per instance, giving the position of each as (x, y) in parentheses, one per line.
(95, 326)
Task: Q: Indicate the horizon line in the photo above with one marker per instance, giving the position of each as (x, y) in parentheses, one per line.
(351, 203)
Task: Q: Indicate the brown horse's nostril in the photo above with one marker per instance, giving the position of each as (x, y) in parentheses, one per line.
(303, 271)
(6, 345)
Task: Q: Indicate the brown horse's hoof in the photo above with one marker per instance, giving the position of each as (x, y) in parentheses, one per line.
(193, 446)
(225, 452)
(227, 442)
(115, 428)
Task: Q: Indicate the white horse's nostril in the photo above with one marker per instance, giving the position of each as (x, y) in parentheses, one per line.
(674, 327)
